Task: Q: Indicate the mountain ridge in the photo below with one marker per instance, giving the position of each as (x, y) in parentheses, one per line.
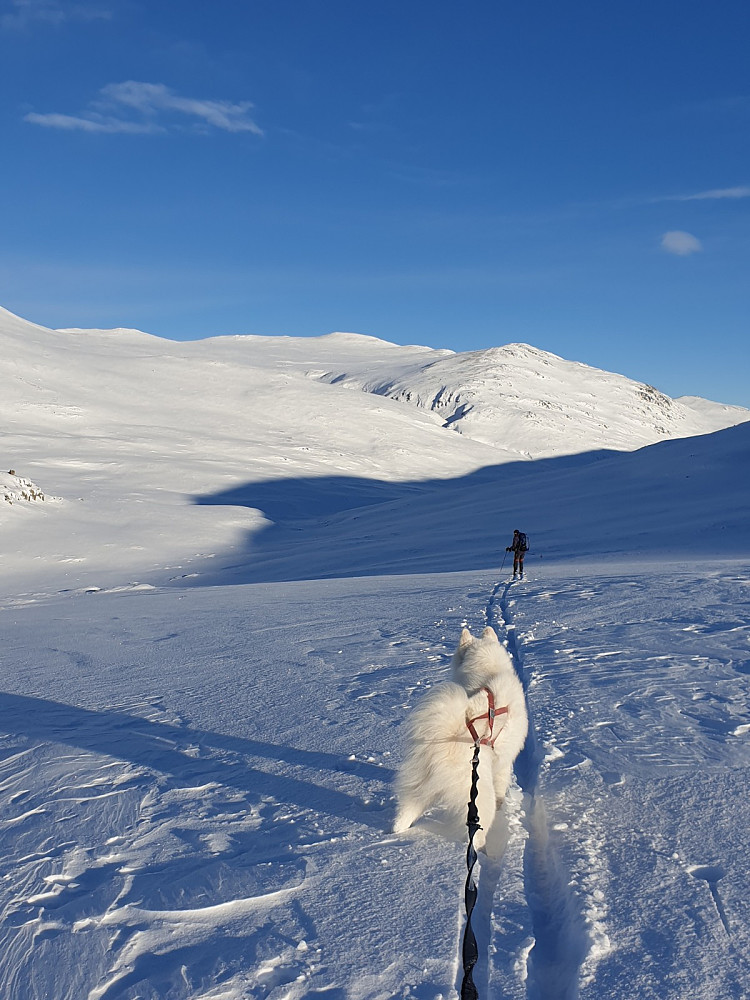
(538, 404)
(517, 399)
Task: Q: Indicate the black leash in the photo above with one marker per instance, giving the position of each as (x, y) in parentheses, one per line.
(470, 950)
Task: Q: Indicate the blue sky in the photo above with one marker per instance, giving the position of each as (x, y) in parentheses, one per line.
(574, 176)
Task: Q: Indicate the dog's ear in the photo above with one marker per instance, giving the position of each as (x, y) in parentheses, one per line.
(490, 633)
(466, 638)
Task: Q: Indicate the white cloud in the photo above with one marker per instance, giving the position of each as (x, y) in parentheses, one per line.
(27, 12)
(156, 107)
(682, 244)
(95, 123)
(150, 98)
(717, 193)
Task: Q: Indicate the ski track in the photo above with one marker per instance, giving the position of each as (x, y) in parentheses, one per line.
(560, 936)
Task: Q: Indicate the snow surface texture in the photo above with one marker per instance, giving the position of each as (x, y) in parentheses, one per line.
(196, 781)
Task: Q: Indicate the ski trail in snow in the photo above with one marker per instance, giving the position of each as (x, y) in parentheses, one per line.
(490, 870)
(561, 941)
(487, 873)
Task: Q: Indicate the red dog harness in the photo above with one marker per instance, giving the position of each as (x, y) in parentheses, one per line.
(489, 715)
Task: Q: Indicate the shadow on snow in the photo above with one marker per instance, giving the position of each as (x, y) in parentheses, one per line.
(685, 496)
(162, 747)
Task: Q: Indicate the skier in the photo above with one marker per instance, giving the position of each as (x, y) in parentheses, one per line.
(518, 547)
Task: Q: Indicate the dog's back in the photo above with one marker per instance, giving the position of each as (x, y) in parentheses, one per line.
(481, 665)
(436, 769)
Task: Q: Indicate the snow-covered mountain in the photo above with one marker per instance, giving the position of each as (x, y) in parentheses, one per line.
(534, 403)
(521, 401)
(128, 428)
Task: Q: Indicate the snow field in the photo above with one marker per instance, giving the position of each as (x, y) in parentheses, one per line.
(641, 708)
(225, 832)
(201, 876)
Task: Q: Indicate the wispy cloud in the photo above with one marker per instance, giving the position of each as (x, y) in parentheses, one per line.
(93, 123)
(151, 98)
(678, 242)
(140, 108)
(24, 13)
(716, 194)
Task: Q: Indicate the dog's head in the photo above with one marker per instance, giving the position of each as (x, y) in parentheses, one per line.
(476, 661)
(467, 639)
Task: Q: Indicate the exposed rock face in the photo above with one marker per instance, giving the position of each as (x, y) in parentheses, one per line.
(16, 489)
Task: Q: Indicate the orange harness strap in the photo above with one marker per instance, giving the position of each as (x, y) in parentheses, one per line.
(489, 715)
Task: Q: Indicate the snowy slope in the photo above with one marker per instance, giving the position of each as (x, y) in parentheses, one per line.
(213, 635)
(535, 403)
(127, 428)
(138, 435)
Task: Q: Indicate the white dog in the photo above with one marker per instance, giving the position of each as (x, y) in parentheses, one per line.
(437, 766)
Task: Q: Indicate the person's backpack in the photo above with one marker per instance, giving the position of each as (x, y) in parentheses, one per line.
(523, 541)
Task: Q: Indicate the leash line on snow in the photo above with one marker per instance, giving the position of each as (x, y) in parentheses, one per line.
(470, 951)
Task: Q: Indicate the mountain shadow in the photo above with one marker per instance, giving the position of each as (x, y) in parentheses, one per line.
(677, 497)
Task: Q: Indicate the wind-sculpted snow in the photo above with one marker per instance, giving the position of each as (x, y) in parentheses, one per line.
(641, 702)
(202, 807)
